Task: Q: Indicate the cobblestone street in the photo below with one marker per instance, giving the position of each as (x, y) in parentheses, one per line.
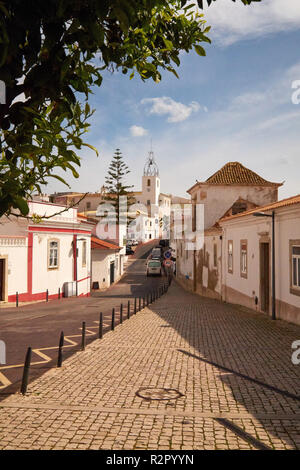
(238, 388)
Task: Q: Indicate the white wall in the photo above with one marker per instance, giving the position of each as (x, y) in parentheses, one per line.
(218, 199)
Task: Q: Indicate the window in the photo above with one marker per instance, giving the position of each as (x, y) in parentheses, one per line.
(148, 202)
(53, 254)
(244, 263)
(84, 253)
(295, 267)
(88, 205)
(230, 256)
(215, 255)
(148, 182)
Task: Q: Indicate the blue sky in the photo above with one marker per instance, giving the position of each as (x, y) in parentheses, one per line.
(232, 105)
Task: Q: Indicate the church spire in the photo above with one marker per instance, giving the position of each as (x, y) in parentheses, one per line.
(151, 168)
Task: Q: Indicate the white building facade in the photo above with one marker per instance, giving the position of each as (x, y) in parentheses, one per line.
(39, 256)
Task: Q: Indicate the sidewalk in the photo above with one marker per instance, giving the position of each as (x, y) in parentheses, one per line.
(237, 385)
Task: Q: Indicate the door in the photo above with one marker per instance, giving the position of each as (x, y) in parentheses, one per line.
(265, 276)
(112, 272)
(2, 279)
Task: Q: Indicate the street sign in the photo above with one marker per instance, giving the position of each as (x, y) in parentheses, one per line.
(167, 254)
(168, 263)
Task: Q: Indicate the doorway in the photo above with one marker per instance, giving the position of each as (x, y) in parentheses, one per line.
(265, 276)
(112, 272)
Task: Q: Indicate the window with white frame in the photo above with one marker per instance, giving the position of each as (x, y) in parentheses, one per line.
(230, 256)
(84, 253)
(244, 263)
(53, 247)
(296, 266)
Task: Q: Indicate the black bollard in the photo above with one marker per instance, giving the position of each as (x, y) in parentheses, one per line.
(26, 372)
(47, 295)
(83, 336)
(113, 319)
(59, 292)
(17, 299)
(128, 309)
(121, 313)
(134, 311)
(101, 325)
(60, 350)
(140, 303)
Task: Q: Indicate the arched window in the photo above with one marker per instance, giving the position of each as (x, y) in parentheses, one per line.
(148, 182)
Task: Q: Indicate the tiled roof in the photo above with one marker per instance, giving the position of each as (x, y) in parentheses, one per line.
(290, 201)
(103, 245)
(234, 173)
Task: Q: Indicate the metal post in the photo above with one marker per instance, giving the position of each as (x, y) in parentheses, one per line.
(101, 325)
(47, 295)
(134, 311)
(83, 336)
(17, 299)
(128, 309)
(60, 350)
(273, 268)
(143, 301)
(121, 313)
(113, 319)
(26, 372)
(59, 292)
(140, 303)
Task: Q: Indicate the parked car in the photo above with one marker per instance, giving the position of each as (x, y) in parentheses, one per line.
(156, 253)
(154, 267)
(129, 250)
(135, 242)
(164, 243)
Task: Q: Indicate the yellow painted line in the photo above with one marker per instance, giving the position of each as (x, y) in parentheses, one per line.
(46, 358)
(42, 355)
(4, 380)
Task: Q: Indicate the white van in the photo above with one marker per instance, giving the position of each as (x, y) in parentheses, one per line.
(153, 267)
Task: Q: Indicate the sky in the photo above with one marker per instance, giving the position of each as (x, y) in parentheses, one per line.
(236, 104)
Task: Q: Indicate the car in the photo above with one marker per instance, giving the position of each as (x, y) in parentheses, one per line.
(164, 243)
(153, 267)
(135, 242)
(156, 253)
(129, 250)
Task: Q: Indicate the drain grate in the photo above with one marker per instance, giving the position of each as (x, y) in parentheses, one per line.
(154, 393)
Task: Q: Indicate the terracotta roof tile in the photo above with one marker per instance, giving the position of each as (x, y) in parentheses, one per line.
(234, 173)
(98, 244)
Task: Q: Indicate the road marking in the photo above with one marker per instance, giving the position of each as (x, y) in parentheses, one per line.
(38, 351)
(4, 380)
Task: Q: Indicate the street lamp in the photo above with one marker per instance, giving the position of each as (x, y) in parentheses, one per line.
(272, 215)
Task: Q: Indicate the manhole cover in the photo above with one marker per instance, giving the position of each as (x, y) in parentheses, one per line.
(153, 393)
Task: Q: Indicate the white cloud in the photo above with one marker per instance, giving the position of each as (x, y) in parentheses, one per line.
(232, 22)
(176, 111)
(138, 131)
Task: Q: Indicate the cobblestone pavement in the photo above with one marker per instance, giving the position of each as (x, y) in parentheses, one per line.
(238, 387)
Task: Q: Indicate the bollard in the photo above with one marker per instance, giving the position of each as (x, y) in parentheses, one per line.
(144, 302)
(60, 350)
(121, 313)
(17, 299)
(47, 295)
(134, 311)
(83, 336)
(151, 297)
(113, 319)
(140, 303)
(59, 292)
(26, 372)
(128, 309)
(101, 326)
